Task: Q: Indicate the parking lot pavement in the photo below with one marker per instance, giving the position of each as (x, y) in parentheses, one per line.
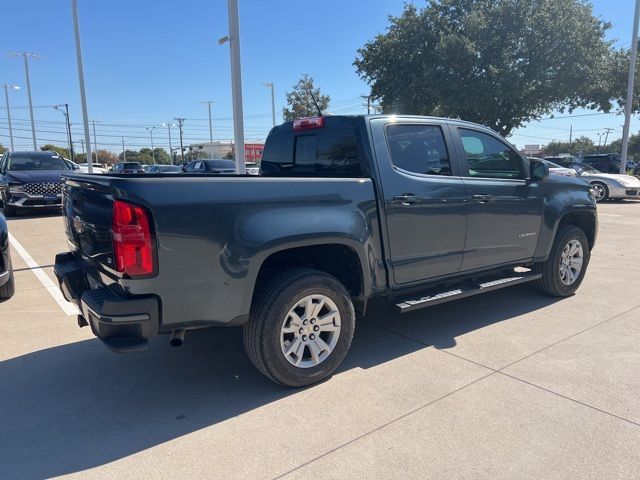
(511, 384)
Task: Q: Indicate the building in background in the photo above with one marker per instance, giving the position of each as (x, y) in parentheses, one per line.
(252, 150)
(532, 150)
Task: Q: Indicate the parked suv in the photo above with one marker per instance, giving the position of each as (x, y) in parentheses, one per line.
(606, 162)
(31, 180)
(127, 167)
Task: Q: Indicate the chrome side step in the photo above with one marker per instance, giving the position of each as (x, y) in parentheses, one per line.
(468, 289)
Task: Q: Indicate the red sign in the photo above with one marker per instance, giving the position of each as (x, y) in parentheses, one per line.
(253, 151)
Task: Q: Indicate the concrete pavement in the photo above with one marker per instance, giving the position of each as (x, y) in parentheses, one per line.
(510, 384)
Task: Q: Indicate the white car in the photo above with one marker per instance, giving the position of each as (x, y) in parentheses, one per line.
(252, 168)
(97, 168)
(555, 168)
(608, 185)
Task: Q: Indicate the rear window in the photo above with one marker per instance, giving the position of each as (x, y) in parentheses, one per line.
(322, 152)
(131, 165)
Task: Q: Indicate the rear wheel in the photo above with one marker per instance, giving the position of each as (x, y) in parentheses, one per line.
(8, 289)
(600, 190)
(566, 266)
(300, 328)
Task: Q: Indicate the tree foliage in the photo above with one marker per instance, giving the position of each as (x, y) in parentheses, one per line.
(498, 63)
(2, 149)
(300, 101)
(581, 145)
(633, 149)
(49, 147)
(145, 156)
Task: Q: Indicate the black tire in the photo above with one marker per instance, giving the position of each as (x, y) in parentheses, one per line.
(551, 282)
(8, 289)
(269, 312)
(604, 188)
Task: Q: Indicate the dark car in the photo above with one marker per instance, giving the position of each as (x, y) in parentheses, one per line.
(164, 169)
(414, 210)
(127, 167)
(7, 285)
(31, 180)
(607, 162)
(211, 166)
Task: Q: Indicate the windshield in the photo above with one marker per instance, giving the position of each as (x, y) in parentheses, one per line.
(582, 168)
(24, 163)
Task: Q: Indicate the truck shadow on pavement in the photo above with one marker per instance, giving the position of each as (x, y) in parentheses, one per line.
(77, 406)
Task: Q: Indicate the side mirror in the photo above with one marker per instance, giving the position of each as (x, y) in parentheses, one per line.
(538, 171)
(76, 167)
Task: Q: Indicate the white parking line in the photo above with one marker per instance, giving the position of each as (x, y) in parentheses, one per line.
(608, 215)
(52, 288)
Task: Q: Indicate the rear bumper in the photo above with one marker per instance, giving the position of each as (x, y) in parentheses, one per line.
(123, 323)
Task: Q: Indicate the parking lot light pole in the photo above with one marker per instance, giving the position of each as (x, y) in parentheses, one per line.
(124, 153)
(236, 83)
(169, 125)
(83, 96)
(629, 105)
(95, 142)
(6, 87)
(153, 152)
(209, 102)
(25, 56)
(273, 102)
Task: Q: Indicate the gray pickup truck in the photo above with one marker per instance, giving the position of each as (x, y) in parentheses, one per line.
(346, 208)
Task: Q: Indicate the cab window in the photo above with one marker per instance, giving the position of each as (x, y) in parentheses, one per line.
(489, 157)
(418, 149)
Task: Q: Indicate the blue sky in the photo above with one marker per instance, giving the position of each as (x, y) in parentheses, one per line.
(147, 62)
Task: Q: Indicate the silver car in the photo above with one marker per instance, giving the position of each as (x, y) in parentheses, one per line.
(608, 185)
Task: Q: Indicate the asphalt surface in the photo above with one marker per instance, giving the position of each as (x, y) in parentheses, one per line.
(511, 384)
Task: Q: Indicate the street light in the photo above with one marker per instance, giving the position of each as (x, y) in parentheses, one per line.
(273, 101)
(236, 83)
(83, 96)
(169, 125)
(65, 112)
(6, 87)
(95, 142)
(209, 102)
(25, 56)
(153, 153)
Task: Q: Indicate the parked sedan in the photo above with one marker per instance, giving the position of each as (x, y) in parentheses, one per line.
(97, 168)
(224, 167)
(608, 185)
(7, 285)
(164, 169)
(127, 167)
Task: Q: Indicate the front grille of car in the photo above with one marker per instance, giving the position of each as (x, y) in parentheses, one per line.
(633, 192)
(43, 188)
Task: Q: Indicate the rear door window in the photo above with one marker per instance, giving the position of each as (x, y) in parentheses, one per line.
(418, 149)
(489, 157)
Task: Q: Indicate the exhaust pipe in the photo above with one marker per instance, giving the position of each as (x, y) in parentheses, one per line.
(177, 337)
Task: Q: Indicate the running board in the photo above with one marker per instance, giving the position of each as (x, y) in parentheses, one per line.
(465, 290)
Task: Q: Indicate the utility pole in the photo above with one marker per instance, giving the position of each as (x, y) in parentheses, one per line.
(124, 152)
(83, 96)
(25, 56)
(368, 97)
(82, 145)
(153, 152)
(273, 101)
(169, 125)
(236, 83)
(95, 142)
(209, 102)
(632, 74)
(570, 136)
(68, 123)
(600, 134)
(180, 124)
(6, 98)
(606, 137)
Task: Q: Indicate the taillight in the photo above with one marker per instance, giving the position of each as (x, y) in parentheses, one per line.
(132, 243)
(308, 123)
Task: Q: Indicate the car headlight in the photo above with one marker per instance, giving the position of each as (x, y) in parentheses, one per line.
(15, 188)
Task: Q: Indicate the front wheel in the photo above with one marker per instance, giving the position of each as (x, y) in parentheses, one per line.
(566, 266)
(8, 289)
(300, 328)
(600, 190)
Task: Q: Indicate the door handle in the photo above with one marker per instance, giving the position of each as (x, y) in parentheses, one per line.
(406, 199)
(482, 198)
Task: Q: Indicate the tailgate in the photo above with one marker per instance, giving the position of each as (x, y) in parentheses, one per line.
(87, 208)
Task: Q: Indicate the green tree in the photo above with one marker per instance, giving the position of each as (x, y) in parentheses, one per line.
(162, 156)
(300, 100)
(498, 63)
(63, 152)
(130, 155)
(581, 145)
(106, 157)
(2, 149)
(634, 146)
